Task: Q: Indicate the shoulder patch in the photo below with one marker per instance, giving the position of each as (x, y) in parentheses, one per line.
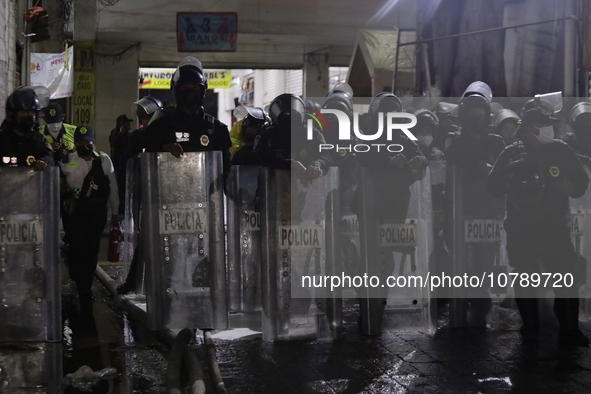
(71, 164)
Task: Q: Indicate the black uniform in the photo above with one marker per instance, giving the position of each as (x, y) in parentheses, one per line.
(201, 134)
(17, 151)
(538, 231)
(469, 152)
(583, 151)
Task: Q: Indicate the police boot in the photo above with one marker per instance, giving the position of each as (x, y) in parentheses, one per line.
(567, 312)
(528, 309)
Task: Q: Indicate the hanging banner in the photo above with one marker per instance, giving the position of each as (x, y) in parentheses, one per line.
(53, 71)
(159, 78)
(83, 105)
(206, 31)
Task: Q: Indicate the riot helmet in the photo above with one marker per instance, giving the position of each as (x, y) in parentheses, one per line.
(286, 110)
(542, 109)
(145, 108)
(27, 99)
(475, 107)
(189, 83)
(505, 124)
(254, 120)
(580, 121)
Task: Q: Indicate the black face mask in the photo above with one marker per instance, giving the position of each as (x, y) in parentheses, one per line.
(84, 150)
(27, 125)
(189, 98)
(475, 125)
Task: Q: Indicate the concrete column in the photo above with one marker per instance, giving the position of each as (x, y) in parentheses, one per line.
(8, 27)
(315, 73)
(85, 20)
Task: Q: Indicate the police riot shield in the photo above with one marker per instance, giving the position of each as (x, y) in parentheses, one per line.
(395, 216)
(182, 240)
(29, 255)
(580, 218)
(244, 247)
(300, 233)
(31, 368)
(477, 244)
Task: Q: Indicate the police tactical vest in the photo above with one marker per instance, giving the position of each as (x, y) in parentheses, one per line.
(96, 189)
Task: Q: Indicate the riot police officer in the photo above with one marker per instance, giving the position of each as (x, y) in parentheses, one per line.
(59, 134)
(505, 123)
(285, 144)
(447, 113)
(254, 122)
(144, 108)
(579, 140)
(390, 176)
(474, 151)
(91, 182)
(539, 174)
(21, 144)
(188, 128)
(475, 148)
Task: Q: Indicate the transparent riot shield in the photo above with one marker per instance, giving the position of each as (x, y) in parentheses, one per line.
(300, 234)
(31, 368)
(244, 247)
(182, 240)
(130, 227)
(477, 244)
(396, 237)
(580, 209)
(30, 303)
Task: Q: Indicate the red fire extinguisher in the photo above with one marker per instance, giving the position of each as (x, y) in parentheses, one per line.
(114, 238)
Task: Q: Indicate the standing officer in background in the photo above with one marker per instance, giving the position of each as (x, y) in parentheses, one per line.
(144, 108)
(539, 174)
(59, 134)
(188, 128)
(92, 185)
(254, 122)
(579, 140)
(21, 144)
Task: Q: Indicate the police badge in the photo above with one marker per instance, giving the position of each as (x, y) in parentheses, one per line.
(554, 171)
(204, 140)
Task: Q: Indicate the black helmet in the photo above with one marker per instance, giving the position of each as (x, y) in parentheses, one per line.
(27, 98)
(146, 106)
(503, 115)
(543, 108)
(286, 109)
(189, 70)
(446, 109)
(526, 178)
(582, 108)
(340, 101)
(426, 118)
(478, 94)
(313, 105)
(385, 102)
(251, 116)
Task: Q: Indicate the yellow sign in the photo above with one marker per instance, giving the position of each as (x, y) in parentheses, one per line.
(159, 78)
(83, 103)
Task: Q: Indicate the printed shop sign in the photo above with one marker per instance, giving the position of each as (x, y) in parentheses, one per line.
(159, 78)
(206, 31)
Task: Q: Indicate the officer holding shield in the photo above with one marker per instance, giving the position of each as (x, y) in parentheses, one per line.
(579, 140)
(21, 144)
(188, 128)
(539, 174)
(254, 122)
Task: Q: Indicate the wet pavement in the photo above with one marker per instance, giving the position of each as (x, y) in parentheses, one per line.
(447, 361)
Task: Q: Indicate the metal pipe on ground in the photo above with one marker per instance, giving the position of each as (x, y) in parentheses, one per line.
(213, 362)
(167, 336)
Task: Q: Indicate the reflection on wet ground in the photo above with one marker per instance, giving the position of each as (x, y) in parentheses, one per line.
(448, 361)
